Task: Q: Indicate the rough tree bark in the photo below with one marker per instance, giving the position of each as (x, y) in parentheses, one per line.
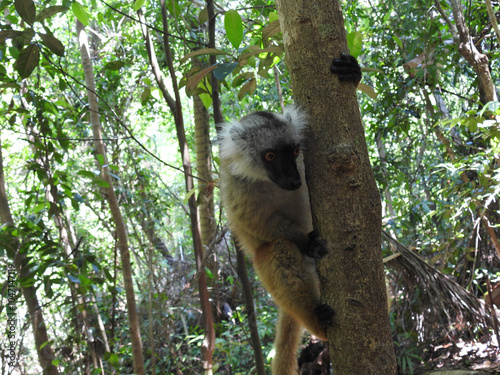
(109, 193)
(345, 200)
(45, 353)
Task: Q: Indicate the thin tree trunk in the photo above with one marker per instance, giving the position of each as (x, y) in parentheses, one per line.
(121, 231)
(208, 344)
(45, 353)
(477, 60)
(218, 119)
(249, 306)
(344, 198)
(206, 211)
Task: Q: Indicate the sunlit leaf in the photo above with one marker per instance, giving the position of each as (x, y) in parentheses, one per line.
(367, 90)
(138, 4)
(234, 28)
(80, 13)
(102, 183)
(355, 43)
(100, 159)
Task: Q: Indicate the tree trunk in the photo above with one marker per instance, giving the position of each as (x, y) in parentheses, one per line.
(344, 198)
(109, 193)
(205, 184)
(208, 345)
(466, 47)
(250, 308)
(45, 353)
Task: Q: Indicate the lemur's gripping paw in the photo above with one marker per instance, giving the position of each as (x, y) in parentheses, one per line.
(316, 248)
(347, 68)
(325, 314)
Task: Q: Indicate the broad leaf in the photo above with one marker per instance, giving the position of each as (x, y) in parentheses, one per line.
(248, 88)
(26, 9)
(270, 30)
(138, 4)
(223, 70)
(367, 90)
(9, 34)
(234, 28)
(80, 13)
(193, 81)
(53, 44)
(50, 11)
(114, 65)
(355, 43)
(28, 60)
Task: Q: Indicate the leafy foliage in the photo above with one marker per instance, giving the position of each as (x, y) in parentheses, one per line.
(441, 204)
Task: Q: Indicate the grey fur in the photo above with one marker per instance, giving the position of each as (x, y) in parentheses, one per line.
(258, 210)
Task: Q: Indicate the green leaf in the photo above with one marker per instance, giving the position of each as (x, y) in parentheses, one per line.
(87, 174)
(113, 359)
(53, 44)
(80, 13)
(273, 16)
(27, 10)
(114, 65)
(234, 28)
(398, 41)
(146, 95)
(203, 51)
(206, 100)
(223, 70)
(189, 194)
(355, 43)
(100, 159)
(50, 11)
(138, 4)
(173, 8)
(102, 183)
(203, 16)
(27, 60)
(39, 207)
(241, 78)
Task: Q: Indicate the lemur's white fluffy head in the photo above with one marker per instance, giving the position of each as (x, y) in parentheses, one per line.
(242, 142)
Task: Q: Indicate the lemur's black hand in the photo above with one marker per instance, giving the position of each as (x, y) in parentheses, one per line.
(347, 68)
(316, 248)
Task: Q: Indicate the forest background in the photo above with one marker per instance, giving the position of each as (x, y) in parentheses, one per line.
(114, 248)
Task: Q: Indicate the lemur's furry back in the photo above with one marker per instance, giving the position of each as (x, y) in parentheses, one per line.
(267, 204)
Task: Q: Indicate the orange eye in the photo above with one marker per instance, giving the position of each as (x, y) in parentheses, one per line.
(296, 152)
(270, 156)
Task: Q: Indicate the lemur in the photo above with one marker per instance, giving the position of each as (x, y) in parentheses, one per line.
(267, 203)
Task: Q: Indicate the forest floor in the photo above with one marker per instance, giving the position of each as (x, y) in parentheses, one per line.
(482, 356)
